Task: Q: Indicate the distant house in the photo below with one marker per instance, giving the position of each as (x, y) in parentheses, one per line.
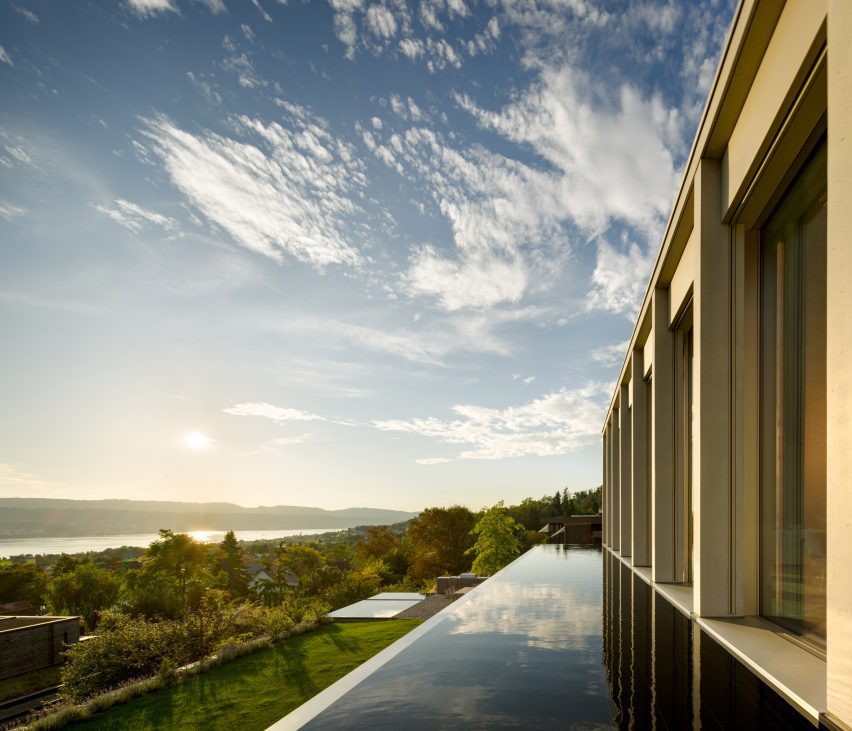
(259, 573)
(33, 643)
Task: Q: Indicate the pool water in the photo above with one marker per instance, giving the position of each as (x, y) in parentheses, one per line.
(563, 638)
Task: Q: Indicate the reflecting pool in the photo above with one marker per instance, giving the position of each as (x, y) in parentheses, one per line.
(563, 638)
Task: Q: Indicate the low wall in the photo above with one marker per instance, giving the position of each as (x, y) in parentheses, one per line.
(33, 643)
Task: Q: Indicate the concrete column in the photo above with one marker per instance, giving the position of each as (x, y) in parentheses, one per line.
(712, 485)
(626, 464)
(662, 466)
(839, 361)
(639, 528)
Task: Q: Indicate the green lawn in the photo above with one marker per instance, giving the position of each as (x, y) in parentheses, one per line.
(29, 682)
(256, 690)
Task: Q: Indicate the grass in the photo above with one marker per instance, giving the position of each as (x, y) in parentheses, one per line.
(254, 691)
(29, 682)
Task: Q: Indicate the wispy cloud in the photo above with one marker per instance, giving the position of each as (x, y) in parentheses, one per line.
(273, 413)
(620, 277)
(4, 57)
(148, 8)
(433, 460)
(526, 380)
(610, 356)
(431, 343)
(215, 6)
(611, 150)
(10, 212)
(289, 191)
(506, 221)
(263, 14)
(12, 476)
(134, 217)
(28, 14)
(557, 423)
(372, 27)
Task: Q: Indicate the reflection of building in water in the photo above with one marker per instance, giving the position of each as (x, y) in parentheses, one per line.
(575, 530)
(665, 672)
(728, 445)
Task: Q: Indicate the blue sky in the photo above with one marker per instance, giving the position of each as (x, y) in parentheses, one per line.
(367, 253)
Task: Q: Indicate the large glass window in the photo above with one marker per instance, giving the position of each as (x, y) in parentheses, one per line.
(684, 448)
(793, 407)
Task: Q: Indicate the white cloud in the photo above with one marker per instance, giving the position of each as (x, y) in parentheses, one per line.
(4, 57)
(381, 22)
(215, 6)
(505, 216)
(483, 280)
(13, 476)
(344, 23)
(557, 423)
(376, 122)
(433, 460)
(431, 342)
(610, 150)
(200, 82)
(28, 14)
(147, 8)
(620, 278)
(240, 64)
(289, 191)
(263, 14)
(9, 211)
(412, 48)
(134, 217)
(273, 413)
(610, 356)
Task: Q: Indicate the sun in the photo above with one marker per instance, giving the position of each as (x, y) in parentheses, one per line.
(196, 440)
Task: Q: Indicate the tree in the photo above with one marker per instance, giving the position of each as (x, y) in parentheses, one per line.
(440, 537)
(228, 566)
(498, 540)
(85, 590)
(171, 566)
(22, 583)
(378, 542)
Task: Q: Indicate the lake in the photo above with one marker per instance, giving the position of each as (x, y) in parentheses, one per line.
(18, 546)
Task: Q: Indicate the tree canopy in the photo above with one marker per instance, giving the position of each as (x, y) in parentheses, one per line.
(498, 540)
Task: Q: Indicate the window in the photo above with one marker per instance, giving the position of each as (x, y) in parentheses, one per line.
(793, 407)
(684, 434)
(649, 462)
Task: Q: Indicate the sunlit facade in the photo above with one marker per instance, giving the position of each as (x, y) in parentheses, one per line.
(727, 448)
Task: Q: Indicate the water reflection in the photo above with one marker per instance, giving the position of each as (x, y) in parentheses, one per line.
(530, 649)
(664, 672)
(522, 651)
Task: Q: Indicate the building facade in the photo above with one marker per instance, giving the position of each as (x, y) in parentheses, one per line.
(727, 447)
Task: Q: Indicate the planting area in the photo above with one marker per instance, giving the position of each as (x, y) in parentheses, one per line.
(256, 690)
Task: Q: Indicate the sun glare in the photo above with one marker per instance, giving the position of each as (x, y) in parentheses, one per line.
(196, 440)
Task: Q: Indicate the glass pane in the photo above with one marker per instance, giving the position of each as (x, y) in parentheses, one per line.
(793, 416)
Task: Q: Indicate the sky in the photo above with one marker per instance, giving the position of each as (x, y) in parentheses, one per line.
(341, 253)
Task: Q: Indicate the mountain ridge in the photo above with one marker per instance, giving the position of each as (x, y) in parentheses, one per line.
(38, 517)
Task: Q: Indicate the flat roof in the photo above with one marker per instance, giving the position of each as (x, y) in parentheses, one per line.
(367, 609)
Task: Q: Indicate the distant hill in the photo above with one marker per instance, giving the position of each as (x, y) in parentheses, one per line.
(37, 517)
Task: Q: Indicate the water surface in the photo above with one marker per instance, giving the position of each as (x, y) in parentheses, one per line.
(36, 546)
